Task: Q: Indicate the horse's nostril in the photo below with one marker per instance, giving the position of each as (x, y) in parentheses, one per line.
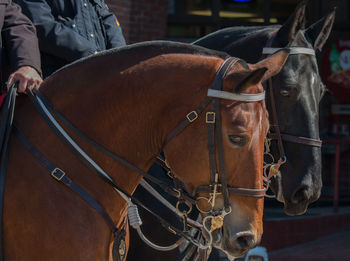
(246, 241)
(300, 195)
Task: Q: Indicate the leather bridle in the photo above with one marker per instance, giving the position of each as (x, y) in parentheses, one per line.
(277, 135)
(218, 180)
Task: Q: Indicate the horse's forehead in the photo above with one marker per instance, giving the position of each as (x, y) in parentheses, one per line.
(299, 66)
(301, 40)
(243, 116)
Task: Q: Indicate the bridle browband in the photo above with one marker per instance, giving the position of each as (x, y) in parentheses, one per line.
(292, 50)
(277, 135)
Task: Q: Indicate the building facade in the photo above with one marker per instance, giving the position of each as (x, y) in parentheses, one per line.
(141, 20)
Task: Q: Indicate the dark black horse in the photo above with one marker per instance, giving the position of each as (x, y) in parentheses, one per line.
(297, 91)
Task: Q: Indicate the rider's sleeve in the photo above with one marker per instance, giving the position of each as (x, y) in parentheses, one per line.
(114, 35)
(19, 39)
(55, 37)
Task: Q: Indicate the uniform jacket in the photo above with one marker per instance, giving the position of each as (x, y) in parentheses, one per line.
(71, 29)
(19, 44)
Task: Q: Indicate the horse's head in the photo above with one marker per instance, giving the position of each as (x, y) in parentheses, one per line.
(297, 91)
(243, 129)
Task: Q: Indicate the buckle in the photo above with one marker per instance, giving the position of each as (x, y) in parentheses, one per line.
(58, 174)
(210, 117)
(178, 193)
(192, 116)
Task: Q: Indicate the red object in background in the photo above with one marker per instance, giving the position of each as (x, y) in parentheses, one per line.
(338, 82)
(2, 97)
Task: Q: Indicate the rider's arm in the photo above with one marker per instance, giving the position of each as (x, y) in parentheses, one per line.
(113, 31)
(21, 47)
(19, 39)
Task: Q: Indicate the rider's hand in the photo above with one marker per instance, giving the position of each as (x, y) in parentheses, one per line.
(27, 77)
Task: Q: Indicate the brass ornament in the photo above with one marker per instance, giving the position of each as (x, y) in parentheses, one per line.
(122, 249)
(274, 169)
(216, 222)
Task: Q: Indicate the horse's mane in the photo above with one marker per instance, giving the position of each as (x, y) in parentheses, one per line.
(150, 49)
(224, 37)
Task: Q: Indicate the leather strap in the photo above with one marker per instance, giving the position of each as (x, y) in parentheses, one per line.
(297, 139)
(5, 132)
(275, 124)
(215, 108)
(215, 146)
(190, 117)
(118, 252)
(163, 185)
(63, 178)
(58, 130)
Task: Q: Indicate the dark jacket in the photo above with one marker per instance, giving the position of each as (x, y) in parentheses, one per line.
(19, 44)
(71, 29)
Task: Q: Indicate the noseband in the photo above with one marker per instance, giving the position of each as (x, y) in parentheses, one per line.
(277, 135)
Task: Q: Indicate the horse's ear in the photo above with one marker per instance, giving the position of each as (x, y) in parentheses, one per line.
(294, 23)
(273, 63)
(253, 78)
(318, 32)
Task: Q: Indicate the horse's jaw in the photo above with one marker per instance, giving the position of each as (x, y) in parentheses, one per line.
(290, 208)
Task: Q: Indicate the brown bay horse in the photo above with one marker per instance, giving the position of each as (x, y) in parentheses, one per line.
(129, 100)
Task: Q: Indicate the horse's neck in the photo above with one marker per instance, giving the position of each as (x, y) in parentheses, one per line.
(132, 113)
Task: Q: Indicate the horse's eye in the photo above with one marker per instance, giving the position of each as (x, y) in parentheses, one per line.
(285, 93)
(237, 140)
